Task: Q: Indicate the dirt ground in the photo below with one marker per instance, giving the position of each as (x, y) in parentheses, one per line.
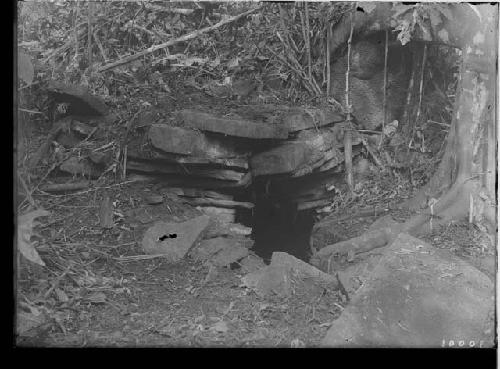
(94, 291)
(98, 300)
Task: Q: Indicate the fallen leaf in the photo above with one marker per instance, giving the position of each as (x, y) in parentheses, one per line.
(25, 231)
(220, 327)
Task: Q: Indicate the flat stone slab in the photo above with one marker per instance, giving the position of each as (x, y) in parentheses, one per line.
(223, 215)
(240, 163)
(228, 230)
(292, 156)
(418, 296)
(236, 127)
(220, 251)
(284, 271)
(82, 102)
(310, 150)
(163, 168)
(177, 140)
(298, 119)
(174, 240)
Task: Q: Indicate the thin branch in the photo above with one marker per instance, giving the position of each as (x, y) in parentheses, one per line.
(307, 83)
(283, 26)
(328, 67)
(348, 131)
(63, 187)
(99, 45)
(424, 58)
(406, 114)
(384, 121)
(308, 41)
(89, 31)
(186, 37)
(77, 11)
(28, 192)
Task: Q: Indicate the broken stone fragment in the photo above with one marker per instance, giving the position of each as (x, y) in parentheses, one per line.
(174, 240)
(251, 263)
(229, 255)
(220, 251)
(223, 215)
(285, 270)
(219, 229)
(210, 247)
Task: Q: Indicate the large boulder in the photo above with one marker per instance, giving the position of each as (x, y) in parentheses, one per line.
(366, 85)
(418, 296)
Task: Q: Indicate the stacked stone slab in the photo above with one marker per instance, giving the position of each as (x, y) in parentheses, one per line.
(211, 159)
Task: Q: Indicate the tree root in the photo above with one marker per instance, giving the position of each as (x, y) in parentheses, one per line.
(453, 205)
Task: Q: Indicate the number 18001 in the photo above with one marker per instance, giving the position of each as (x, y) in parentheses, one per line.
(461, 343)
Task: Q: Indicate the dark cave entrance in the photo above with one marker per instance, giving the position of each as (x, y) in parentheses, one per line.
(277, 225)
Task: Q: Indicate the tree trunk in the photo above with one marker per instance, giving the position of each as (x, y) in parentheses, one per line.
(464, 183)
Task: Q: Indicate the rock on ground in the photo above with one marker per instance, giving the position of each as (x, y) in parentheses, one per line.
(237, 127)
(418, 296)
(174, 240)
(220, 251)
(282, 274)
(251, 263)
(82, 101)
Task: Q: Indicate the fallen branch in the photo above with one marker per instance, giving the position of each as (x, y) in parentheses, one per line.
(219, 203)
(187, 37)
(99, 45)
(63, 187)
(127, 259)
(26, 189)
(328, 67)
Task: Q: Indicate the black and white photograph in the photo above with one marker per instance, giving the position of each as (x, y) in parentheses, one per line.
(255, 174)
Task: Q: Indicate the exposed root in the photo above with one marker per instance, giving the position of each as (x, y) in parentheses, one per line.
(453, 205)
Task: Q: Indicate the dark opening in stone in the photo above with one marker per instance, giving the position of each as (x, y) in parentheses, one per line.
(277, 225)
(165, 236)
